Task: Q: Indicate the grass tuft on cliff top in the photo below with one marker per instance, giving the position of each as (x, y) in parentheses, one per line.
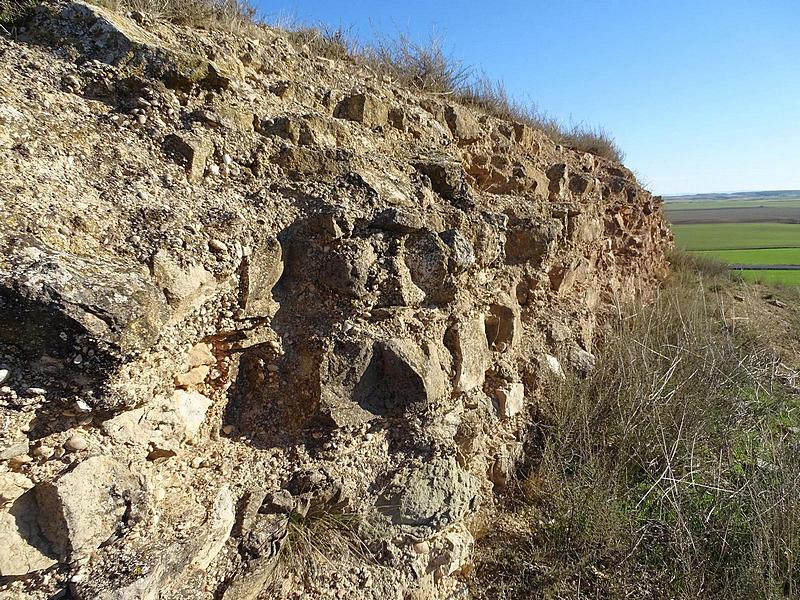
(428, 68)
(670, 470)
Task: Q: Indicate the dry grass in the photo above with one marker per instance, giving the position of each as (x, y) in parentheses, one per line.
(319, 542)
(228, 15)
(492, 98)
(670, 471)
(423, 66)
(427, 67)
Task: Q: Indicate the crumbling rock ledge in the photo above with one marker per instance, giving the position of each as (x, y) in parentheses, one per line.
(243, 287)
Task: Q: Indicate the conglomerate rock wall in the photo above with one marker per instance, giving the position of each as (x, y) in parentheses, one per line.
(245, 289)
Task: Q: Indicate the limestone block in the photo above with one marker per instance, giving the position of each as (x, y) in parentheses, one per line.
(217, 529)
(427, 258)
(260, 272)
(468, 344)
(462, 123)
(23, 549)
(191, 150)
(364, 379)
(185, 288)
(82, 509)
(510, 399)
(363, 108)
(424, 498)
(201, 354)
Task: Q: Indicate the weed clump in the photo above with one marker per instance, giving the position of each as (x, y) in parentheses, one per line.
(670, 470)
(14, 12)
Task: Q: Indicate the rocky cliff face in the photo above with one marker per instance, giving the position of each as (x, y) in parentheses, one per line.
(257, 306)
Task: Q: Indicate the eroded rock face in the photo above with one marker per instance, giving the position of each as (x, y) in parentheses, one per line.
(243, 288)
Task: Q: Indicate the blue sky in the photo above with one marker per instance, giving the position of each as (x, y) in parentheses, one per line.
(702, 96)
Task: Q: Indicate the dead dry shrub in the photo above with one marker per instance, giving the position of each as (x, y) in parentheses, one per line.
(423, 66)
(318, 542)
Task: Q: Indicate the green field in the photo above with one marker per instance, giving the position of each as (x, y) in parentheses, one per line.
(745, 203)
(769, 256)
(736, 236)
(784, 277)
(699, 227)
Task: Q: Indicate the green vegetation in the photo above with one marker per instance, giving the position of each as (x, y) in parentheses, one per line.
(736, 236)
(670, 470)
(766, 195)
(764, 256)
(772, 277)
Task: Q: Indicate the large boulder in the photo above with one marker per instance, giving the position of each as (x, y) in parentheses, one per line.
(23, 550)
(425, 498)
(83, 508)
(72, 320)
(362, 380)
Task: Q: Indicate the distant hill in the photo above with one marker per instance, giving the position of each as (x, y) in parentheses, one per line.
(763, 195)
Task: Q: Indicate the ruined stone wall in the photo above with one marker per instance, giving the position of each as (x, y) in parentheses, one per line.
(242, 286)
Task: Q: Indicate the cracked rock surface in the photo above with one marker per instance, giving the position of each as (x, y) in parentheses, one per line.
(245, 289)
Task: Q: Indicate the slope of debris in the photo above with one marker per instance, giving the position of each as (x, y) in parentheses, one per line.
(264, 314)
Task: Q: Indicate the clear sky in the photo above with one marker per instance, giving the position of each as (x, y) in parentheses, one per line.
(702, 95)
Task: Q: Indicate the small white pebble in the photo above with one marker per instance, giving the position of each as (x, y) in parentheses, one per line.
(4, 373)
(82, 406)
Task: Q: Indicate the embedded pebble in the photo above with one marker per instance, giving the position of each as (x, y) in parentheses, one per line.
(36, 391)
(75, 444)
(4, 373)
(217, 246)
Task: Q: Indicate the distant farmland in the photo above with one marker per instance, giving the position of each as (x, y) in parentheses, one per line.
(736, 236)
(758, 230)
(754, 214)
